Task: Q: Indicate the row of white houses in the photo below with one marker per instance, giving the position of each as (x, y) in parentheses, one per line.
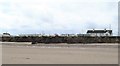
(92, 32)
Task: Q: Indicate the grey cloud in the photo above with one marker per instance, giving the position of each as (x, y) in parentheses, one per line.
(91, 25)
(51, 21)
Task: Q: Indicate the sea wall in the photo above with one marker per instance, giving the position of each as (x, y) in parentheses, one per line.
(61, 39)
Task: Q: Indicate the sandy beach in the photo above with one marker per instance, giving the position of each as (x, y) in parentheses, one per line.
(59, 54)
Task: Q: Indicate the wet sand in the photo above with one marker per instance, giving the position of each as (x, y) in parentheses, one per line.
(37, 54)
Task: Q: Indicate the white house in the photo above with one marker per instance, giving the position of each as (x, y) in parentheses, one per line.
(99, 32)
(6, 35)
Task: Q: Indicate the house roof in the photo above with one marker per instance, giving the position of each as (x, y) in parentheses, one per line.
(6, 34)
(99, 31)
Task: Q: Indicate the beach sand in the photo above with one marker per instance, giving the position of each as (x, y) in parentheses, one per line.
(37, 54)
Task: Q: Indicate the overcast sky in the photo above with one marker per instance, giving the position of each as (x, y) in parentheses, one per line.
(57, 16)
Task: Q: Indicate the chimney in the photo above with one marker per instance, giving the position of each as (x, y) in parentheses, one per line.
(105, 29)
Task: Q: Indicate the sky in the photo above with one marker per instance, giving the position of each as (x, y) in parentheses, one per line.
(57, 16)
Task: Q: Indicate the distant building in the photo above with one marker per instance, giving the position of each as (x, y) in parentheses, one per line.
(30, 35)
(83, 35)
(68, 35)
(99, 32)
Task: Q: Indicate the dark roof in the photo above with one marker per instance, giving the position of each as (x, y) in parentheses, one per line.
(6, 34)
(99, 31)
